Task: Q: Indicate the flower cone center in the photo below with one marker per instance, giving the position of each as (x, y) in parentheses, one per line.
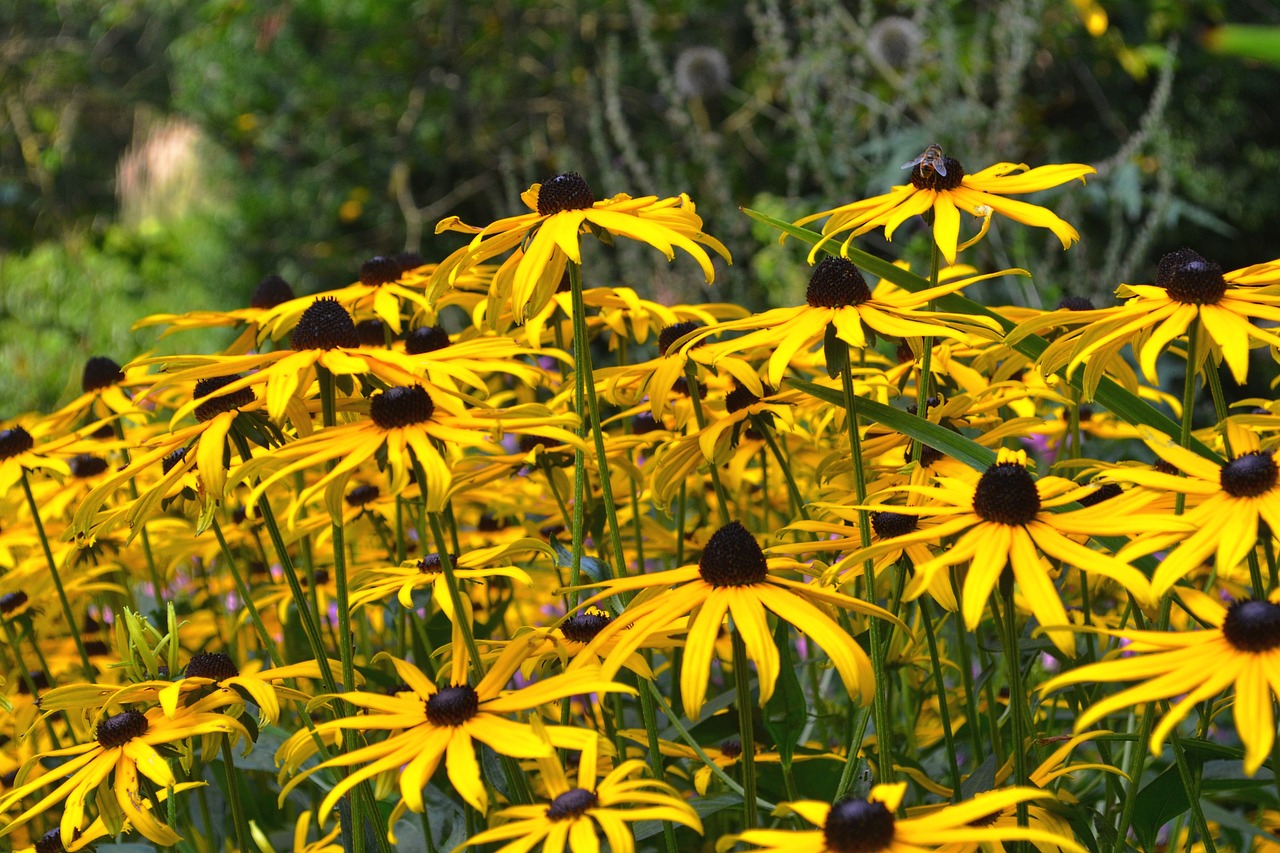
(1249, 475)
(362, 494)
(380, 270)
(426, 339)
(51, 842)
(858, 826)
(572, 803)
(1189, 278)
(583, 627)
(270, 292)
(453, 706)
(85, 465)
(739, 398)
(214, 406)
(15, 440)
(1252, 626)
(564, 192)
(1006, 494)
(119, 729)
(733, 558)
(100, 372)
(925, 177)
(1105, 492)
(835, 283)
(673, 333)
(214, 665)
(889, 525)
(431, 564)
(325, 325)
(401, 406)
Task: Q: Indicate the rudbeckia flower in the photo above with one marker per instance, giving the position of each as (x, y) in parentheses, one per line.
(561, 209)
(733, 577)
(577, 815)
(428, 724)
(376, 584)
(124, 746)
(1188, 289)
(1004, 518)
(838, 296)
(940, 184)
(857, 825)
(271, 292)
(1229, 501)
(1241, 649)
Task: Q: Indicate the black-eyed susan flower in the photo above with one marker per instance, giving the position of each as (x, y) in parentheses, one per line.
(734, 578)
(378, 583)
(427, 724)
(838, 295)
(124, 746)
(857, 825)
(1241, 650)
(562, 208)
(402, 422)
(1188, 288)
(271, 291)
(576, 815)
(939, 183)
(1228, 501)
(1004, 518)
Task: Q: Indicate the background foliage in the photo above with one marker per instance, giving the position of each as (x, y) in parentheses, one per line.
(160, 155)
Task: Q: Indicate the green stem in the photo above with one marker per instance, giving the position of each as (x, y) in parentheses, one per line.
(1017, 708)
(242, 589)
(879, 643)
(943, 711)
(451, 583)
(700, 417)
(924, 383)
(974, 723)
(233, 795)
(584, 379)
(792, 489)
(1188, 401)
(72, 625)
(746, 731)
(344, 638)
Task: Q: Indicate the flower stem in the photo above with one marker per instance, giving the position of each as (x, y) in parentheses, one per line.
(72, 625)
(925, 381)
(1017, 708)
(944, 712)
(700, 417)
(792, 489)
(880, 700)
(233, 794)
(242, 589)
(746, 731)
(345, 637)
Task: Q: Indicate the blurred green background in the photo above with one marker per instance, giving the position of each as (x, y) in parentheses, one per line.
(164, 155)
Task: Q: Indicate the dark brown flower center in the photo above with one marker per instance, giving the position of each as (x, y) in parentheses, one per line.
(858, 826)
(380, 270)
(171, 459)
(409, 260)
(644, 423)
(673, 333)
(835, 283)
(733, 558)
(11, 601)
(362, 494)
(430, 564)
(401, 406)
(426, 339)
(572, 803)
(270, 292)
(15, 440)
(1249, 474)
(214, 406)
(1166, 467)
(100, 372)
(85, 465)
(1006, 494)
(681, 387)
(213, 665)
(452, 706)
(1105, 492)
(1252, 626)
(1189, 278)
(325, 325)
(119, 729)
(583, 627)
(889, 525)
(371, 333)
(925, 177)
(741, 397)
(51, 842)
(731, 748)
(564, 192)
(1074, 303)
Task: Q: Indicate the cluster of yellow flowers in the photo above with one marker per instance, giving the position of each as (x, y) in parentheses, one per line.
(703, 596)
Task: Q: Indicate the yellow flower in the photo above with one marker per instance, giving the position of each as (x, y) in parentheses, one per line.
(561, 209)
(427, 723)
(1242, 649)
(576, 815)
(124, 747)
(939, 183)
(857, 825)
(733, 577)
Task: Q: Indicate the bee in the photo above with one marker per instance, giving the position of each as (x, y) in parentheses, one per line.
(932, 158)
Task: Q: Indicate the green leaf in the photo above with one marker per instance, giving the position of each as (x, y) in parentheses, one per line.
(704, 806)
(1115, 398)
(1247, 41)
(786, 710)
(1160, 801)
(981, 780)
(835, 350)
